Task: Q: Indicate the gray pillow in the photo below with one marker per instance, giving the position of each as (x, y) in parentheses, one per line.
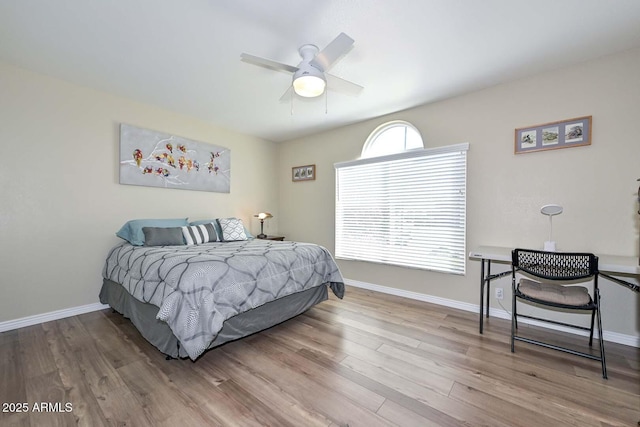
(162, 236)
(132, 230)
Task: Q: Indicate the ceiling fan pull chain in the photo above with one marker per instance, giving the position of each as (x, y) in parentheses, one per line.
(326, 102)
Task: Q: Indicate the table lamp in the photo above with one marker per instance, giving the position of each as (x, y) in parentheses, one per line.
(262, 216)
(551, 211)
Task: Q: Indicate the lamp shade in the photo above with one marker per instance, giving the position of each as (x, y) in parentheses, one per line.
(551, 210)
(308, 81)
(263, 215)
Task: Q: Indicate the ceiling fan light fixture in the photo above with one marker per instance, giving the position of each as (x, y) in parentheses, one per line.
(309, 82)
(309, 86)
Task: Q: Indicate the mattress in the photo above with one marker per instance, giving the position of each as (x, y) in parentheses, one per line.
(198, 288)
(144, 316)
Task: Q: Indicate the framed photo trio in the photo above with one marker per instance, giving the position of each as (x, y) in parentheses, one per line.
(551, 136)
(303, 173)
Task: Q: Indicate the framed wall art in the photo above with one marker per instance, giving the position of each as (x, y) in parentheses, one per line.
(156, 159)
(303, 173)
(551, 136)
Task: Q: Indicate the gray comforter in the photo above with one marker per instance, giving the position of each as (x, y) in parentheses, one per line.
(198, 287)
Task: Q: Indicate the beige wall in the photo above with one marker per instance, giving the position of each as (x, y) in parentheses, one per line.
(60, 200)
(595, 184)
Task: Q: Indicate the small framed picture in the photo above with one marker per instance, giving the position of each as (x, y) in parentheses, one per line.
(550, 136)
(303, 173)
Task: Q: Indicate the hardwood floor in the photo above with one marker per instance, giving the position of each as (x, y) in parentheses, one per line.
(368, 360)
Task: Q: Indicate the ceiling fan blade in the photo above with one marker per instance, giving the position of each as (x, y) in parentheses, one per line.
(332, 52)
(342, 85)
(267, 63)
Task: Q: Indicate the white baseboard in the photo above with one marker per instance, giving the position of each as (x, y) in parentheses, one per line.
(48, 317)
(629, 340)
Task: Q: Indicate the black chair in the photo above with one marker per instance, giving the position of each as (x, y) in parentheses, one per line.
(556, 274)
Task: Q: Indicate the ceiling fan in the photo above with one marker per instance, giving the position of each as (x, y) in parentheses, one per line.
(310, 77)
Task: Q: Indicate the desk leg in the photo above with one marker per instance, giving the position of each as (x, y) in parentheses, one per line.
(481, 293)
(485, 279)
(488, 285)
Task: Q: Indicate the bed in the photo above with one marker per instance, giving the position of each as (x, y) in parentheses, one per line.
(186, 299)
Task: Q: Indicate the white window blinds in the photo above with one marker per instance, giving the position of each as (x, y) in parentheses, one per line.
(406, 209)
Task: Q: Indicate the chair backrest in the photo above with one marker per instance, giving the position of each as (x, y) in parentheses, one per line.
(555, 265)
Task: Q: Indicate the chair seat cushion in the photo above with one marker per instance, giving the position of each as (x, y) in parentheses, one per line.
(556, 294)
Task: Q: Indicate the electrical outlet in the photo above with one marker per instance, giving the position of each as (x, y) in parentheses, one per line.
(499, 293)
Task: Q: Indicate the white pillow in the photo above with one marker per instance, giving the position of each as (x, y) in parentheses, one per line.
(232, 229)
(198, 234)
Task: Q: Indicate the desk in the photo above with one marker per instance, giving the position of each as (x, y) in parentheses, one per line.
(607, 264)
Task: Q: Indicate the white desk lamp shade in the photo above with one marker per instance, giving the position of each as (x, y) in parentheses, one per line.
(550, 210)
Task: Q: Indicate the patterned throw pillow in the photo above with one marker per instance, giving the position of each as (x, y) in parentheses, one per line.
(198, 234)
(217, 226)
(232, 229)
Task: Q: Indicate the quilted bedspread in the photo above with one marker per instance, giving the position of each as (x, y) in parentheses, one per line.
(198, 287)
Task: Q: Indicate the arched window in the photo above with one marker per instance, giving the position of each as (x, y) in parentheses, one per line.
(402, 204)
(392, 137)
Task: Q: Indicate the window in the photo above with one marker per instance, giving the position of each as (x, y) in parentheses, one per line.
(392, 137)
(406, 209)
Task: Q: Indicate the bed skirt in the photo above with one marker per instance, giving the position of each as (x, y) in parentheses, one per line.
(158, 333)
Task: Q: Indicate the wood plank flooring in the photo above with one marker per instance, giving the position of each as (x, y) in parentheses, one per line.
(368, 360)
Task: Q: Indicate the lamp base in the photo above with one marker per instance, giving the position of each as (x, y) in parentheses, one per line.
(261, 236)
(550, 246)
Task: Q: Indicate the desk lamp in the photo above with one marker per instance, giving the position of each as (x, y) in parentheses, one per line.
(550, 210)
(262, 216)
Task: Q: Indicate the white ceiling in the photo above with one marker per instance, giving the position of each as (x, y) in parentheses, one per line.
(184, 55)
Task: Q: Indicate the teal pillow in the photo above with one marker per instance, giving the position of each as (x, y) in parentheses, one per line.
(132, 230)
(217, 226)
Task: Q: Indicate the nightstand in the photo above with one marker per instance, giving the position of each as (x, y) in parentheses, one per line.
(280, 238)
